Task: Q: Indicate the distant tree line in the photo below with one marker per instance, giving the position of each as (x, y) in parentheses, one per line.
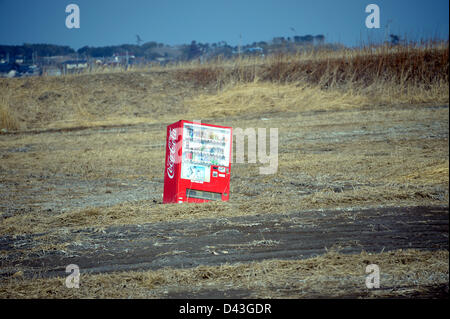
(27, 50)
(153, 50)
(197, 49)
(305, 39)
(146, 50)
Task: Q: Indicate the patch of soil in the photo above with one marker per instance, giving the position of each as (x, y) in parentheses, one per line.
(186, 243)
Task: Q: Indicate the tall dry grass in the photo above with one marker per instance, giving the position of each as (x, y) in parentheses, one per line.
(347, 78)
(416, 64)
(8, 119)
(412, 74)
(368, 77)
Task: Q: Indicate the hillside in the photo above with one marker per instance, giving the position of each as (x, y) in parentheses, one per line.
(362, 178)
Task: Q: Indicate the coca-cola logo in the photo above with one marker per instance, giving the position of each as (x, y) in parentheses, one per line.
(172, 146)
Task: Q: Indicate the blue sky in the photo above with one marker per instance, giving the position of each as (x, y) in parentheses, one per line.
(110, 22)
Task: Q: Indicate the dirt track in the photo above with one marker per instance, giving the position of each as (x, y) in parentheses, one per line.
(228, 240)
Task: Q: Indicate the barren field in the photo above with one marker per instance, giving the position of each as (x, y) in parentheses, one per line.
(358, 182)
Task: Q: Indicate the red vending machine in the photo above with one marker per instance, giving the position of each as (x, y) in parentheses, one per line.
(198, 162)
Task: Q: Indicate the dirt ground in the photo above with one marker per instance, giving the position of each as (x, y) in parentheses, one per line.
(212, 241)
(352, 181)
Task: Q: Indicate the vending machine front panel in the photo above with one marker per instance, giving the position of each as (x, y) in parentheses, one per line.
(204, 163)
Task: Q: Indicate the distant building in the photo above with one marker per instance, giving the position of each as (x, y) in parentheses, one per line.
(124, 58)
(74, 66)
(255, 51)
(306, 39)
(19, 59)
(51, 70)
(8, 70)
(278, 40)
(54, 60)
(11, 70)
(33, 70)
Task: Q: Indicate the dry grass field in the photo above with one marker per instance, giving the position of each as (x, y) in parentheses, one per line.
(363, 137)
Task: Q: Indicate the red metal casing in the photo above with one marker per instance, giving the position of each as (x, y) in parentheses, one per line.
(198, 162)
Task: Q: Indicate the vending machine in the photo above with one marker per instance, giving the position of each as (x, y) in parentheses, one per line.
(198, 162)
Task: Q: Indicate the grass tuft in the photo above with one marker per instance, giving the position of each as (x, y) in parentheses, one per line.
(8, 120)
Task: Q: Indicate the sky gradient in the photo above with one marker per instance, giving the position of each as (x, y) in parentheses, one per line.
(109, 22)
